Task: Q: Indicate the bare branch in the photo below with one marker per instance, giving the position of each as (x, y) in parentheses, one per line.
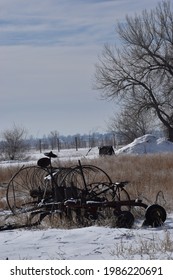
(141, 72)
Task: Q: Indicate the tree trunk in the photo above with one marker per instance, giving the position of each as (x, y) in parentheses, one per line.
(170, 134)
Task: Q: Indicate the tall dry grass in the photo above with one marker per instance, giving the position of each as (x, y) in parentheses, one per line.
(150, 176)
(5, 175)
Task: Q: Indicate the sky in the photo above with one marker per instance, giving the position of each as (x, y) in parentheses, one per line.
(48, 53)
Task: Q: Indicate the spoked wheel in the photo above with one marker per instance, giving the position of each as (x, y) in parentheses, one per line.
(155, 215)
(83, 177)
(124, 219)
(85, 182)
(27, 188)
(121, 195)
(112, 192)
(100, 191)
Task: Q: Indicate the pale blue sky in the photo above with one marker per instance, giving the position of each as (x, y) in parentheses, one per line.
(48, 52)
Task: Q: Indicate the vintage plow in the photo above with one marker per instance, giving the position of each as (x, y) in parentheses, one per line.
(86, 190)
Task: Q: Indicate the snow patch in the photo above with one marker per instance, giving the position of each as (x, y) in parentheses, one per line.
(147, 144)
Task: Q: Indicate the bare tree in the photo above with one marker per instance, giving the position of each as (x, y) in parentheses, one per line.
(53, 137)
(130, 125)
(141, 72)
(14, 143)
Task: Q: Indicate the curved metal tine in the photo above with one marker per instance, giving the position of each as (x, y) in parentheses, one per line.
(99, 189)
(61, 174)
(71, 177)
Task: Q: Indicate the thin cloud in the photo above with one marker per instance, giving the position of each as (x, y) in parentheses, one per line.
(46, 22)
(48, 49)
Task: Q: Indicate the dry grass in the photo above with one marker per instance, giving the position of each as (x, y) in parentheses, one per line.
(148, 176)
(152, 249)
(5, 175)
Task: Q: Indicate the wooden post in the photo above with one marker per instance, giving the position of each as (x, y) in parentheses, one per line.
(76, 143)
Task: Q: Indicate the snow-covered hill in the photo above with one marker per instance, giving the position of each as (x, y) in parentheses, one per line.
(147, 144)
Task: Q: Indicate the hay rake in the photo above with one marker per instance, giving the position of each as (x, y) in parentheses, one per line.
(86, 190)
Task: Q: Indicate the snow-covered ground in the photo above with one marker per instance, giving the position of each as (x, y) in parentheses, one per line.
(89, 243)
(62, 155)
(94, 242)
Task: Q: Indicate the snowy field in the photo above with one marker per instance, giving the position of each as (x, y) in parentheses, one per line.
(90, 243)
(94, 242)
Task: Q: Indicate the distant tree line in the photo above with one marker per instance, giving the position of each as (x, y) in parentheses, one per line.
(77, 141)
(15, 142)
